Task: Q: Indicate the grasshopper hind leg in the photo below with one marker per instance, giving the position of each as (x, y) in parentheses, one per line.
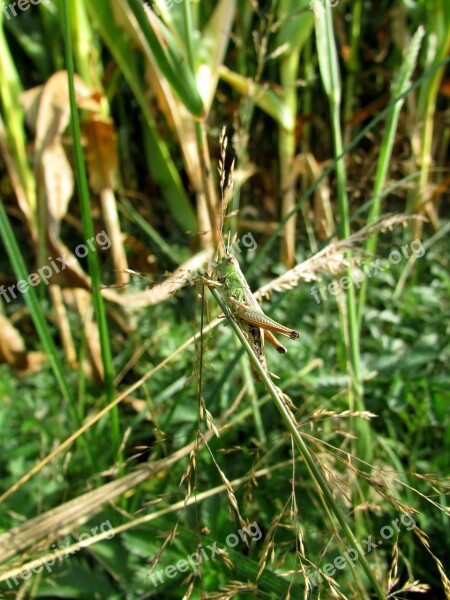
(274, 342)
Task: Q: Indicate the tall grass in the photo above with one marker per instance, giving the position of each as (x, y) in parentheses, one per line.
(322, 182)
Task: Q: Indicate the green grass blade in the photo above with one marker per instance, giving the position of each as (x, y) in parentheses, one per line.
(399, 86)
(86, 211)
(329, 69)
(32, 301)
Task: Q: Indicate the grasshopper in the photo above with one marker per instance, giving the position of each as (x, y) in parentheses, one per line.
(243, 305)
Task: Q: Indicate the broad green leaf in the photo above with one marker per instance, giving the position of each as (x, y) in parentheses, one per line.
(213, 45)
(297, 22)
(170, 61)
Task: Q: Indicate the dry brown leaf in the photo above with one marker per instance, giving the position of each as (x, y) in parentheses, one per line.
(53, 115)
(12, 346)
(101, 152)
(84, 305)
(48, 112)
(13, 350)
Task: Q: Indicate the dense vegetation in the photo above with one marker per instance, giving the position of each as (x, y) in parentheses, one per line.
(139, 456)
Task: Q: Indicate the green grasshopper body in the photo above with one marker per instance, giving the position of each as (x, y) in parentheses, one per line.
(244, 306)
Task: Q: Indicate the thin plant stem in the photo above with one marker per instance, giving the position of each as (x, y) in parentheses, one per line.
(329, 67)
(353, 65)
(302, 448)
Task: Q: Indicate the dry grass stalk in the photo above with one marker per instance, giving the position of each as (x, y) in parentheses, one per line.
(331, 260)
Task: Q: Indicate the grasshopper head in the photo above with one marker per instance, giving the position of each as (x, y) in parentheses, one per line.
(225, 266)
